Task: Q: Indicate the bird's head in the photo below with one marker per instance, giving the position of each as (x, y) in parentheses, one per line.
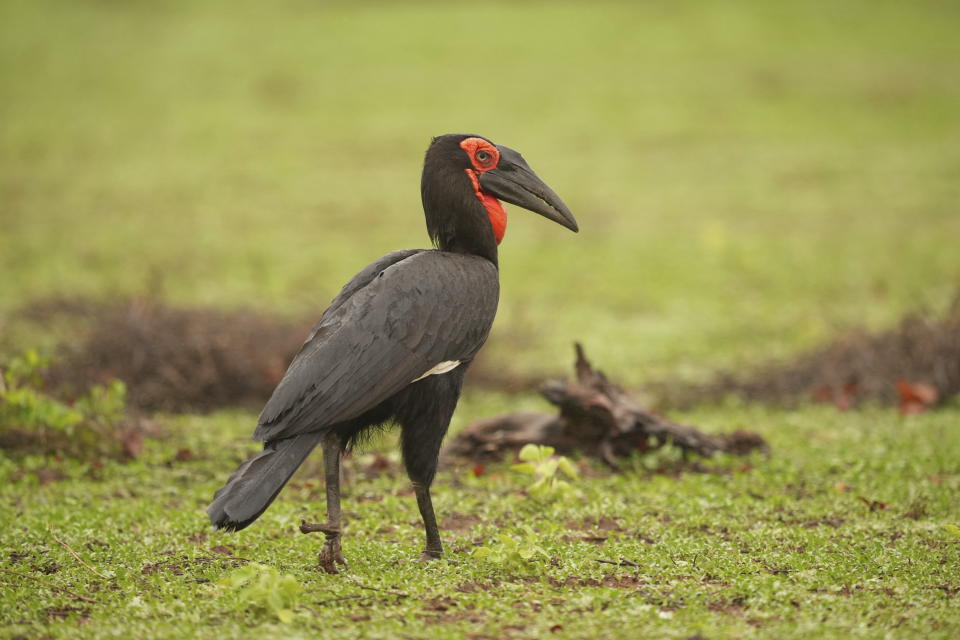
(464, 178)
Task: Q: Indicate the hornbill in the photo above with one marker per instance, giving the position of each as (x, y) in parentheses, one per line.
(394, 345)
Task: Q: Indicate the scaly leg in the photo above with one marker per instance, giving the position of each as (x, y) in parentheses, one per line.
(331, 554)
(424, 418)
(434, 548)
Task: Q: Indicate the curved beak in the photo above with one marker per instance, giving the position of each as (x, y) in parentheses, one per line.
(515, 182)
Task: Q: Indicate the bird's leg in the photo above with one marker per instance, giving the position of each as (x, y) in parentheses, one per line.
(424, 420)
(331, 554)
(434, 548)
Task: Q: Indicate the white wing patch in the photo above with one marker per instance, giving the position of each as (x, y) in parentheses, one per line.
(443, 367)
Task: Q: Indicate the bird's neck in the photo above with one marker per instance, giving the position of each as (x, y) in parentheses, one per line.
(457, 220)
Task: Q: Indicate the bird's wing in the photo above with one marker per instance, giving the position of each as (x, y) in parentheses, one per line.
(387, 328)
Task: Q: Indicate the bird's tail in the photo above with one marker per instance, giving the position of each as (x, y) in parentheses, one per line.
(255, 484)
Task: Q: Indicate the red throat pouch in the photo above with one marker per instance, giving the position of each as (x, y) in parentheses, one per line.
(495, 210)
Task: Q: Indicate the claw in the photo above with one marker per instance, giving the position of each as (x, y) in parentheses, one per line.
(429, 556)
(331, 555)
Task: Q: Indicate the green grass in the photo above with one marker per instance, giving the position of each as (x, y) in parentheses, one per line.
(749, 178)
(780, 547)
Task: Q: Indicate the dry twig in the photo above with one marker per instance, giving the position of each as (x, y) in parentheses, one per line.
(623, 562)
(75, 555)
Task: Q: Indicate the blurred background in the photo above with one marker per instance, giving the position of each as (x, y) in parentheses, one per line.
(750, 177)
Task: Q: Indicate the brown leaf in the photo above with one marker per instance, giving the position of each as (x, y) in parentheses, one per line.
(843, 397)
(916, 397)
(47, 475)
(440, 604)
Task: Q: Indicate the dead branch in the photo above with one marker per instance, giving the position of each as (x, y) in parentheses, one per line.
(596, 417)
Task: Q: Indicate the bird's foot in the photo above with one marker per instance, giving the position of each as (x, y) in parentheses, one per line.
(429, 555)
(331, 555)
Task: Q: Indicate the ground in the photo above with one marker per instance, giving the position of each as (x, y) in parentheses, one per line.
(749, 178)
(838, 534)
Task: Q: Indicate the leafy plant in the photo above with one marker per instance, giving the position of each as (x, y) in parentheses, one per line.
(264, 588)
(511, 552)
(32, 419)
(24, 370)
(539, 461)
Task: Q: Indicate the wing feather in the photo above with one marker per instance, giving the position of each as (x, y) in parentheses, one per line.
(391, 324)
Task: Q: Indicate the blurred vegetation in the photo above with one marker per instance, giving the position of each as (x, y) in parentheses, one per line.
(94, 424)
(748, 176)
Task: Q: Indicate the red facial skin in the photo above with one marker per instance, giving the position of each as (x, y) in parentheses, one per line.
(473, 146)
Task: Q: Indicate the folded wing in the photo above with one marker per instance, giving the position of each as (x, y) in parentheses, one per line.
(395, 321)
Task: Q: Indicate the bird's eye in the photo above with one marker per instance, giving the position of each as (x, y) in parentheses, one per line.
(483, 157)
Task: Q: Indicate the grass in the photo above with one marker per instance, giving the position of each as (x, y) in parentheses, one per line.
(749, 178)
(782, 547)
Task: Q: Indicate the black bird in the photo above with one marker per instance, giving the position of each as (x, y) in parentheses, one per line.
(395, 344)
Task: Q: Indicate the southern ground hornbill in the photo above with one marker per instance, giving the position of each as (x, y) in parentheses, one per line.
(394, 345)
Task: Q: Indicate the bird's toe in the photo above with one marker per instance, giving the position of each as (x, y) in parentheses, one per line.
(330, 556)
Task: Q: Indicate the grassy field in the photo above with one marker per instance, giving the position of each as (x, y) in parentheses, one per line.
(780, 548)
(749, 177)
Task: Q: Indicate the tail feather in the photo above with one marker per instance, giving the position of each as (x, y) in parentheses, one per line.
(255, 484)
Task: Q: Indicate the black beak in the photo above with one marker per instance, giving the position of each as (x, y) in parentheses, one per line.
(515, 182)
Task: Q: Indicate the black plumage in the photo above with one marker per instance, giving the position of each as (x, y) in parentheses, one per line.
(395, 344)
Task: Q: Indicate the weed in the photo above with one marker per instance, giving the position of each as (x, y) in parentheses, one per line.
(511, 552)
(32, 420)
(263, 588)
(539, 462)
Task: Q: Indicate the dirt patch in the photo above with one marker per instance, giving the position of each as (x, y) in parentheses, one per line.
(730, 607)
(62, 613)
(597, 540)
(471, 587)
(443, 603)
(162, 567)
(459, 523)
(177, 358)
(913, 365)
(171, 358)
(603, 523)
(610, 581)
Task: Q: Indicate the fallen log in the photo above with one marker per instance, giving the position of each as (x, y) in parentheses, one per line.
(597, 418)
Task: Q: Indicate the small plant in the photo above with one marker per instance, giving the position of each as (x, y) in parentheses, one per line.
(511, 552)
(264, 588)
(658, 456)
(33, 420)
(539, 461)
